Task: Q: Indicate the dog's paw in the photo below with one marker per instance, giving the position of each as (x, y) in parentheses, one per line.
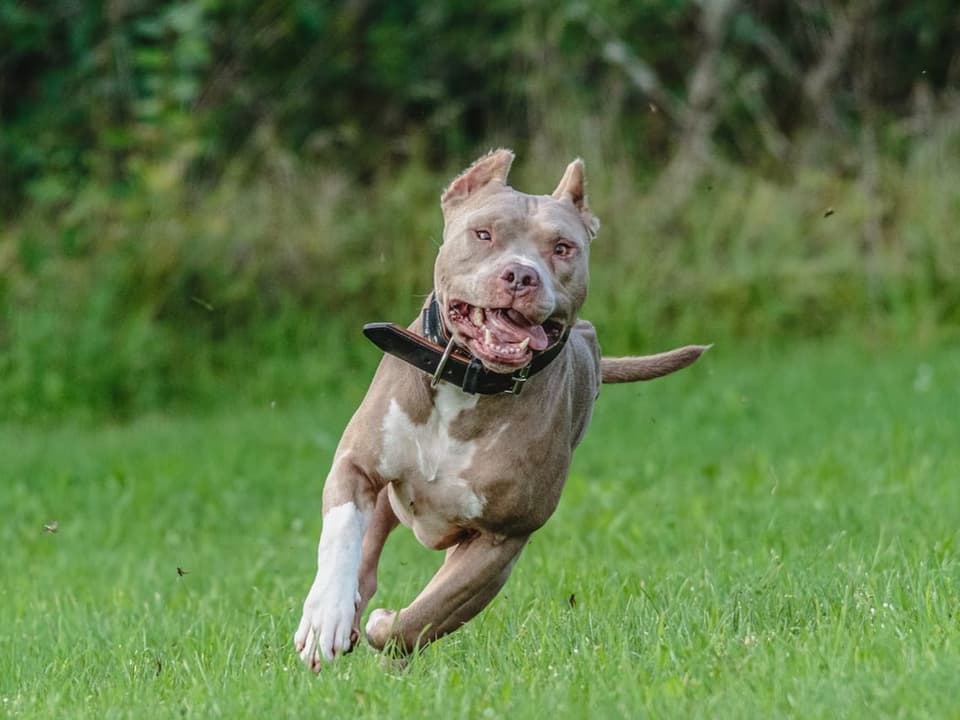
(327, 628)
(379, 627)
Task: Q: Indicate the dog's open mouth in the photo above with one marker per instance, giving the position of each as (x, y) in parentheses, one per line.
(501, 337)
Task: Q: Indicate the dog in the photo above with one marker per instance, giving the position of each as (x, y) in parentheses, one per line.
(468, 428)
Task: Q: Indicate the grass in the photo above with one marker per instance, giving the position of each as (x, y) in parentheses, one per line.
(769, 534)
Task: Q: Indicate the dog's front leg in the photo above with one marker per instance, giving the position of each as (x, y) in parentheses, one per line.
(326, 629)
(471, 575)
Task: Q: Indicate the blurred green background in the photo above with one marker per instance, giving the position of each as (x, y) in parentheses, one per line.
(201, 202)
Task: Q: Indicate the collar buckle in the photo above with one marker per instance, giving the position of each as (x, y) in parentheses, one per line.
(518, 380)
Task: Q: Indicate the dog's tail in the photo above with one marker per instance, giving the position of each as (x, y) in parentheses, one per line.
(648, 367)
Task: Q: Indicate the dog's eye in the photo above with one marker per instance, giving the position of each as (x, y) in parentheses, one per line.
(483, 235)
(562, 249)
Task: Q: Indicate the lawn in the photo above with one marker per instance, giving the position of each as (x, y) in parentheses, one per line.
(768, 534)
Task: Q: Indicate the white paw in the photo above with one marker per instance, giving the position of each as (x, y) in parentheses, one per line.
(326, 628)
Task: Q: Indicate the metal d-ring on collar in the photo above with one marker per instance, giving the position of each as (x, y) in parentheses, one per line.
(443, 363)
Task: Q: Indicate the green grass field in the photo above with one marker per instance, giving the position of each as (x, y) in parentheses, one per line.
(769, 534)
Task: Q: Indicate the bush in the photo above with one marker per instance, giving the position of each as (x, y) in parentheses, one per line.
(200, 194)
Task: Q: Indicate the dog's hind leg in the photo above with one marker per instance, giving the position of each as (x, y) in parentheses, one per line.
(471, 575)
(382, 523)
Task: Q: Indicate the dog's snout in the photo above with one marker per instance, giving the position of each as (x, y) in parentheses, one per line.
(520, 279)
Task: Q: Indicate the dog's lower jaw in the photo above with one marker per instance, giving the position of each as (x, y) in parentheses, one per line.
(503, 337)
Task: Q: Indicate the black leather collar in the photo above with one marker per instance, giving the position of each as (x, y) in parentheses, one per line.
(436, 355)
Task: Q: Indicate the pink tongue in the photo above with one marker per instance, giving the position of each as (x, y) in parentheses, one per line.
(506, 330)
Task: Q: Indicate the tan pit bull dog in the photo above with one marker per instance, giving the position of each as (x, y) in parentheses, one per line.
(467, 431)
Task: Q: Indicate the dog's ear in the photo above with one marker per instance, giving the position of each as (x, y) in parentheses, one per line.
(491, 168)
(572, 187)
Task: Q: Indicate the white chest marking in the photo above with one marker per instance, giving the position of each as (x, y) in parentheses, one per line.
(427, 450)
(428, 463)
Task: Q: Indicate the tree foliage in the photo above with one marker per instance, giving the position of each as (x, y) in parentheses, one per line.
(88, 89)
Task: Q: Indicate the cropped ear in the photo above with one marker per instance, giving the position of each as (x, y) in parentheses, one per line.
(491, 168)
(572, 188)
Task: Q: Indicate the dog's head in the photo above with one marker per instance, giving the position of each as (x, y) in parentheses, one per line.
(511, 274)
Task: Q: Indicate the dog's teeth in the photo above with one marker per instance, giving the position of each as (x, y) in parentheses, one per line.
(524, 344)
(477, 316)
(487, 336)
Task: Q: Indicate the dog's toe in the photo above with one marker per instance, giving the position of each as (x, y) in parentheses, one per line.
(307, 649)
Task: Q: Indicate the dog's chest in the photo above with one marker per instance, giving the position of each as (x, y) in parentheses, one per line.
(425, 465)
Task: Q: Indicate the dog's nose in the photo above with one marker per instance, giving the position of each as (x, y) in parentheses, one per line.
(520, 279)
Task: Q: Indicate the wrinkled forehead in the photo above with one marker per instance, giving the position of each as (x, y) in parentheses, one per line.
(509, 212)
